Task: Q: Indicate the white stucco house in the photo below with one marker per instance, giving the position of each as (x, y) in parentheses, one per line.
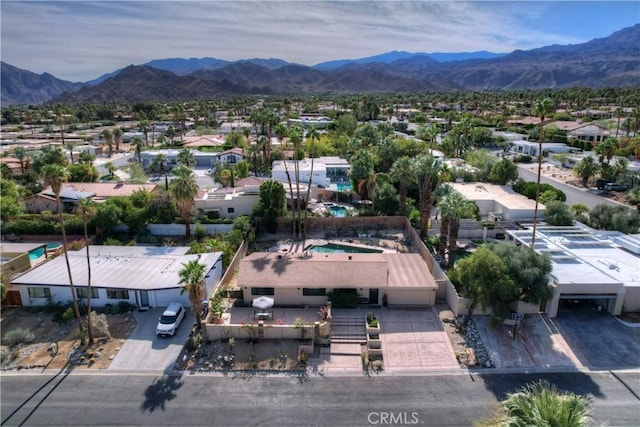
(498, 202)
(588, 265)
(145, 276)
(326, 170)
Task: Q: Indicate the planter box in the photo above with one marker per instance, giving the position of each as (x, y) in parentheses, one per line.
(375, 342)
(374, 351)
(372, 330)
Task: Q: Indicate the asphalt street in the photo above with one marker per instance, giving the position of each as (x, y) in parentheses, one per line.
(85, 399)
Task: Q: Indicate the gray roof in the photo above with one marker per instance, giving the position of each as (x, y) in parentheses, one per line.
(68, 193)
(320, 270)
(126, 267)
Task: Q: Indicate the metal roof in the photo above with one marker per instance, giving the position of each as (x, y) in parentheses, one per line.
(125, 267)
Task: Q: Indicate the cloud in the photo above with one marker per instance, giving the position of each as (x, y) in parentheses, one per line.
(82, 40)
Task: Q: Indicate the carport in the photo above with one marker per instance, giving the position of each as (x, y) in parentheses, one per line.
(588, 302)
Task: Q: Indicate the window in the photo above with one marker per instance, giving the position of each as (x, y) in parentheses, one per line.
(232, 159)
(314, 292)
(39, 292)
(231, 210)
(117, 294)
(82, 293)
(262, 291)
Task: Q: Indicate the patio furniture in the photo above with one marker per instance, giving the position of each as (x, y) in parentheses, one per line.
(263, 315)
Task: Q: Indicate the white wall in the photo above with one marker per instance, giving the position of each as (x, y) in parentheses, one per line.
(411, 296)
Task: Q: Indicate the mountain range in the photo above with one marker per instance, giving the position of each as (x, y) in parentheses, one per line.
(609, 61)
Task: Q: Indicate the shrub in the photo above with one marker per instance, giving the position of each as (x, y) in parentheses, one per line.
(343, 298)
(522, 158)
(8, 355)
(100, 325)
(68, 315)
(18, 336)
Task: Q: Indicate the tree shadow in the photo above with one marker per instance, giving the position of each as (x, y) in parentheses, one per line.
(160, 392)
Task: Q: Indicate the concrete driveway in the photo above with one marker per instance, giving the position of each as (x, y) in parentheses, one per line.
(414, 339)
(143, 350)
(599, 340)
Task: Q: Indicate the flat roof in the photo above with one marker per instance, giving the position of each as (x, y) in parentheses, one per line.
(125, 267)
(322, 270)
(584, 255)
(503, 194)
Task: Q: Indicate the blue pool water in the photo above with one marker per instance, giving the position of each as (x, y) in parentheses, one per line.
(334, 248)
(338, 211)
(344, 186)
(36, 254)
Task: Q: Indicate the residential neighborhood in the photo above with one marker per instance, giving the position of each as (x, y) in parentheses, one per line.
(327, 237)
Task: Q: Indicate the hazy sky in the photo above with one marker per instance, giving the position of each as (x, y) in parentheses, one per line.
(80, 40)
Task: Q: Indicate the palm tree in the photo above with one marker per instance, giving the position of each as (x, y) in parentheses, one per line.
(312, 135)
(138, 143)
(542, 404)
(455, 208)
(21, 154)
(108, 136)
(586, 168)
(192, 277)
(69, 146)
(117, 137)
(183, 189)
(427, 169)
(87, 210)
(111, 168)
(403, 172)
(186, 157)
(606, 149)
(441, 195)
(54, 175)
(542, 109)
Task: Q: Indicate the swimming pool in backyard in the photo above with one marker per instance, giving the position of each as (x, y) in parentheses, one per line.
(335, 248)
(36, 254)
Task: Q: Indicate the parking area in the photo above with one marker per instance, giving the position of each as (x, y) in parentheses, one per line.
(143, 350)
(573, 339)
(599, 340)
(414, 339)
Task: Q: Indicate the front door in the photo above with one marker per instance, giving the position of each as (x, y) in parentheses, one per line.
(144, 299)
(373, 296)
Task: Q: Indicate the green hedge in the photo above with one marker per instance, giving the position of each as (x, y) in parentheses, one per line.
(42, 226)
(528, 189)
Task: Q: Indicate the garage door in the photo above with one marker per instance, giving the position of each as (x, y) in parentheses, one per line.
(167, 296)
(420, 297)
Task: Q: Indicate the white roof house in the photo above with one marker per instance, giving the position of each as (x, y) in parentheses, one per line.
(498, 202)
(141, 275)
(326, 170)
(589, 264)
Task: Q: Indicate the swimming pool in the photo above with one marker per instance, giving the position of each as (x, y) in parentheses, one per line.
(338, 211)
(343, 186)
(36, 254)
(334, 248)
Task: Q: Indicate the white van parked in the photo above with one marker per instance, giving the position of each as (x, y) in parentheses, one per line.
(171, 319)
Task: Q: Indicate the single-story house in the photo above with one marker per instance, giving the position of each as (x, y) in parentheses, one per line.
(589, 132)
(231, 156)
(203, 141)
(601, 267)
(531, 148)
(140, 275)
(203, 159)
(498, 202)
(306, 278)
(73, 192)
